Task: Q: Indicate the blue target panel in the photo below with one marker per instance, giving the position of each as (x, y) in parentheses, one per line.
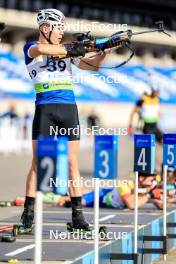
(62, 166)
(144, 153)
(105, 156)
(52, 165)
(169, 150)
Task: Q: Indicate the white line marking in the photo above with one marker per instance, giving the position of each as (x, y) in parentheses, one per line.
(20, 250)
(60, 241)
(106, 218)
(91, 224)
(121, 212)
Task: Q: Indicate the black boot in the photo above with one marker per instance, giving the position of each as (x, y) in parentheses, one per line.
(78, 219)
(27, 217)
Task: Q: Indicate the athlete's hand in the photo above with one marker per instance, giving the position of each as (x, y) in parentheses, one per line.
(157, 193)
(130, 130)
(75, 49)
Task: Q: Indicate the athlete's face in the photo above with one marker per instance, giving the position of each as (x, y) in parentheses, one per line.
(145, 181)
(56, 35)
(155, 93)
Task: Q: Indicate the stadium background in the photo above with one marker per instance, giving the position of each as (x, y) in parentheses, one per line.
(154, 63)
(154, 59)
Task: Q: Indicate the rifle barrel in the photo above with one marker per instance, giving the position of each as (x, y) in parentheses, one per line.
(147, 31)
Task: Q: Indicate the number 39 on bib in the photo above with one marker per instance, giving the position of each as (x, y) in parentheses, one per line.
(105, 156)
(144, 153)
(169, 153)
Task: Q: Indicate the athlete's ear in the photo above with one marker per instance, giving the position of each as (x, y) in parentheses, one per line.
(45, 28)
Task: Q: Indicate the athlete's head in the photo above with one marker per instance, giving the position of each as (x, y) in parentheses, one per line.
(154, 91)
(171, 174)
(51, 25)
(146, 181)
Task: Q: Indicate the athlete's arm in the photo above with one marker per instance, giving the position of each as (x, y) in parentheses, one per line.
(95, 61)
(159, 204)
(136, 110)
(159, 111)
(171, 200)
(47, 49)
(129, 200)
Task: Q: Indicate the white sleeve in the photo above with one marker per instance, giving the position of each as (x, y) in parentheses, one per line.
(29, 50)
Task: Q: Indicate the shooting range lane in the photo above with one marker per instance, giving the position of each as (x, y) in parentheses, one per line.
(108, 218)
(55, 247)
(119, 222)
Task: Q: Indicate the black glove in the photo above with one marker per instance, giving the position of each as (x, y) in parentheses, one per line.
(75, 49)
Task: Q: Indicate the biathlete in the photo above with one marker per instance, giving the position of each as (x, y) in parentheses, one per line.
(148, 108)
(150, 189)
(49, 65)
(119, 197)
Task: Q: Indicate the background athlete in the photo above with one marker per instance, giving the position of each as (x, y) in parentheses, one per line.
(148, 108)
(55, 101)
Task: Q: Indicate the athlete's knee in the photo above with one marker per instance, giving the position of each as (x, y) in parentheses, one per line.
(34, 165)
(73, 163)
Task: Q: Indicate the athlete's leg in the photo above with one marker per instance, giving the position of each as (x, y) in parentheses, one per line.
(31, 178)
(68, 115)
(153, 129)
(74, 175)
(42, 123)
(28, 213)
(147, 128)
(74, 187)
(159, 135)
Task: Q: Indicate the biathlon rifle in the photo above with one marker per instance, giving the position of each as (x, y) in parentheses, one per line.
(118, 39)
